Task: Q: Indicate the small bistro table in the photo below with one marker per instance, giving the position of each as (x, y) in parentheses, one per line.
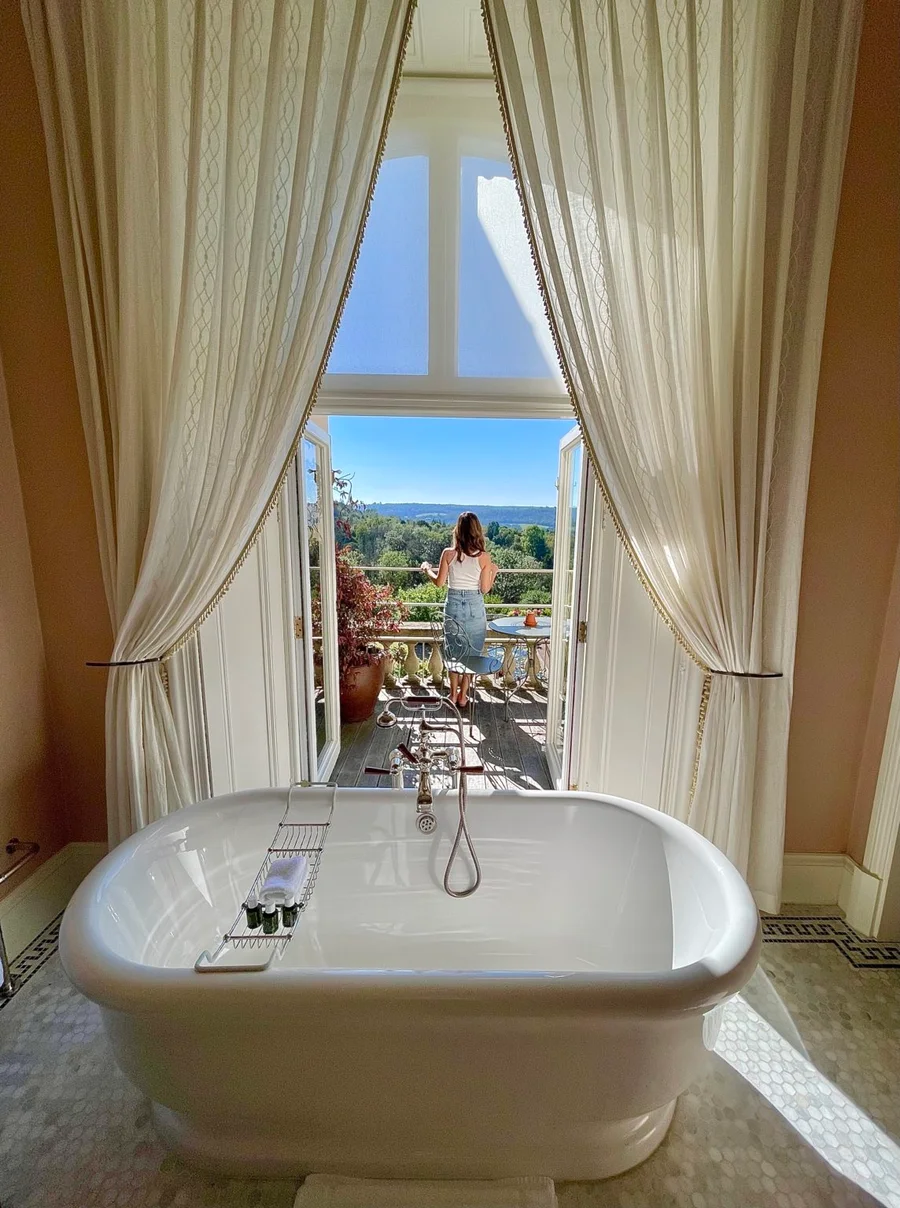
(532, 637)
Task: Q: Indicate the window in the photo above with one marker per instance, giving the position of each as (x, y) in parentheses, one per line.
(445, 302)
(384, 328)
(502, 330)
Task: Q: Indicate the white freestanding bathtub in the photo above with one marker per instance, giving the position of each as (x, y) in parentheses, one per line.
(543, 1026)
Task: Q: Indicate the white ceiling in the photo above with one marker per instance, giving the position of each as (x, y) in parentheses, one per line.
(447, 40)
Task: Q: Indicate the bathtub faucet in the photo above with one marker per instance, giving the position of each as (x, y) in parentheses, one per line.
(424, 762)
(426, 759)
(425, 819)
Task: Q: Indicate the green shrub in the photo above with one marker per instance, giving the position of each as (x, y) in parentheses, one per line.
(427, 593)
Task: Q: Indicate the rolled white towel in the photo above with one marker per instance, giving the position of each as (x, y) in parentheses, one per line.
(284, 880)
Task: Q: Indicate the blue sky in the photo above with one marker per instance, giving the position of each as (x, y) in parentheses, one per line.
(501, 333)
(464, 461)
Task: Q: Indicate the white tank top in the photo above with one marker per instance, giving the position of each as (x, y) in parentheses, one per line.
(465, 575)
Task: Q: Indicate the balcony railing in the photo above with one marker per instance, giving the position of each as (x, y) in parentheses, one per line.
(518, 570)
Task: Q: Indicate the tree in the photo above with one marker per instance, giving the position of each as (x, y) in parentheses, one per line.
(492, 531)
(506, 536)
(368, 533)
(518, 589)
(395, 557)
(535, 543)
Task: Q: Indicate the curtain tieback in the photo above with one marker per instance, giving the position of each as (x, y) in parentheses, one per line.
(749, 674)
(126, 663)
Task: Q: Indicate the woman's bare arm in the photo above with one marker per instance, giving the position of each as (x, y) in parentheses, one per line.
(489, 570)
(439, 576)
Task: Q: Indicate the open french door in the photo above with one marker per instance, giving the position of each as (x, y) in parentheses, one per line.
(311, 510)
(268, 709)
(574, 501)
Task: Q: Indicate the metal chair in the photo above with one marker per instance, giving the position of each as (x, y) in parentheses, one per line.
(460, 657)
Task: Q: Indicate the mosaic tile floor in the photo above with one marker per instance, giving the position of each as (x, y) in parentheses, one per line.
(762, 1127)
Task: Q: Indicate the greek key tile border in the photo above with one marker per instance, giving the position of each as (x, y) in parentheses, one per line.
(33, 958)
(862, 953)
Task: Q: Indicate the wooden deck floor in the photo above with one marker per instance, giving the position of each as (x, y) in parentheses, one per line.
(510, 748)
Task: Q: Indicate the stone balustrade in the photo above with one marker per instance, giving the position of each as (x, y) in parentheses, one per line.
(409, 667)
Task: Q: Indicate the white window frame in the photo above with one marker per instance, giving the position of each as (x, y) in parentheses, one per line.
(444, 119)
(318, 766)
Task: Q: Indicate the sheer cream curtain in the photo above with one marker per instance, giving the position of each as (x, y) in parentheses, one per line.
(680, 168)
(212, 162)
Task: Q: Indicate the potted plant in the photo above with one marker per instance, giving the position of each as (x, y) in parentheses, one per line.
(364, 613)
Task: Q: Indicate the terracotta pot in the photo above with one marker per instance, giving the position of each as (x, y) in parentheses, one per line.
(359, 690)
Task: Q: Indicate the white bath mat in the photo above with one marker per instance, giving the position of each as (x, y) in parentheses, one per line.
(335, 1191)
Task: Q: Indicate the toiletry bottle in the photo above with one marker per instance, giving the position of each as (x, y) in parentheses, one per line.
(289, 912)
(254, 912)
(270, 918)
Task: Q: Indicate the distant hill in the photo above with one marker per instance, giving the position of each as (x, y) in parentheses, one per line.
(446, 513)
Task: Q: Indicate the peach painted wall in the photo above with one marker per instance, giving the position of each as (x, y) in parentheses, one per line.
(853, 516)
(30, 805)
(49, 441)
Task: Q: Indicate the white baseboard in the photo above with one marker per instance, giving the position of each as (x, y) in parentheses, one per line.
(861, 900)
(831, 879)
(37, 901)
(815, 878)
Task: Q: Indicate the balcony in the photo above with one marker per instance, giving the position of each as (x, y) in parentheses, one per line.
(509, 744)
(510, 717)
(507, 739)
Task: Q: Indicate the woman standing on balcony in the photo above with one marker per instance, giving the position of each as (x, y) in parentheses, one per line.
(469, 572)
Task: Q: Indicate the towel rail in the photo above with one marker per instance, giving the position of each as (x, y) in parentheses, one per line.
(26, 851)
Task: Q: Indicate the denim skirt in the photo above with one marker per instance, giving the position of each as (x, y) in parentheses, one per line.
(465, 623)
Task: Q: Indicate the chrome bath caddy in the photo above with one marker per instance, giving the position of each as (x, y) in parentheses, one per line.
(292, 838)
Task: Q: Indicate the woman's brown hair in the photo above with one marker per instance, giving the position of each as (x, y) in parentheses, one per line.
(468, 536)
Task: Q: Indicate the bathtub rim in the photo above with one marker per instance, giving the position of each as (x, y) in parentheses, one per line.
(118, 983)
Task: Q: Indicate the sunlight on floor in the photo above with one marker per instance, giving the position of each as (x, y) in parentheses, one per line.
(822, 1114)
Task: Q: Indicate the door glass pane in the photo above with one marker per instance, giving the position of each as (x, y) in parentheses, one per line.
(312, 472)
(568, 617)
(384, 328)
(503, 331)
